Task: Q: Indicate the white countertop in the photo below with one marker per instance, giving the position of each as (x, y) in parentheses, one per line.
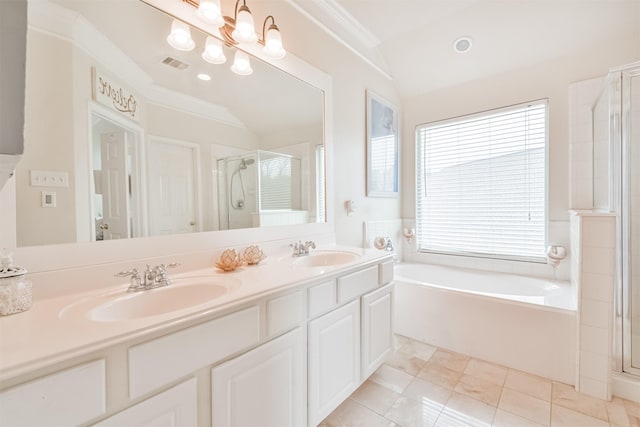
(58, 328)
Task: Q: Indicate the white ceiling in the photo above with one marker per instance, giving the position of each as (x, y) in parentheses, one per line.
(411, 40)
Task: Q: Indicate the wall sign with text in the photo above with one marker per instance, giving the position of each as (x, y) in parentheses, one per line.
(112, 94)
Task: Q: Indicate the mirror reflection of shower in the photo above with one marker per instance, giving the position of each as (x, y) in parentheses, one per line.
(261, 188)
(237, 192)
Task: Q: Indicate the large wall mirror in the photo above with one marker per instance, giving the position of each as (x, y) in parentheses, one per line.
(126, 137)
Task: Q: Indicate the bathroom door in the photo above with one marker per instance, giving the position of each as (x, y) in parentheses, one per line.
(115, 186)
(173, 192)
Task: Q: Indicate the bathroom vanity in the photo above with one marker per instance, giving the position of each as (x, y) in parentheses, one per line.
(282, 343)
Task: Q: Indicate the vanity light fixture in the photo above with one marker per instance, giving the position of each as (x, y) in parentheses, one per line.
(213, 52)
(211, 12)
(241, 64)
(240, 28)
(180, 36)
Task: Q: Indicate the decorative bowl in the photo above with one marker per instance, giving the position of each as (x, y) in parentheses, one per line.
(229, 260)
(253, 254)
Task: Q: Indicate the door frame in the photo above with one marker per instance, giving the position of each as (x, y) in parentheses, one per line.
(138, 173)
(197, 186)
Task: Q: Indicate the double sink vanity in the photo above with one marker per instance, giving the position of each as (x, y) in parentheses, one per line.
(281, 343)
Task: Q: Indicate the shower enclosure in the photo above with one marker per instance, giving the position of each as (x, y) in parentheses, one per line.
(616, 173)
(259, 188)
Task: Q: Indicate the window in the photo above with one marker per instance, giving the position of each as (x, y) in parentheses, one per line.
(480, 184)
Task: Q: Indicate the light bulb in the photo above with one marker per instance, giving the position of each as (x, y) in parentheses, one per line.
(213, 52)
(244, 31)
(180, 36)
(241, 64)
(273, 43)
(209, 11)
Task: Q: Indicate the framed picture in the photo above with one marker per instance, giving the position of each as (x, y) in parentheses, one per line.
(382, 147)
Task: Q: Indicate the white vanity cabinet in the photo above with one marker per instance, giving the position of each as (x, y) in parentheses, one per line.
(349, 343)
(263, 387)
(175, 407)
(377, 328)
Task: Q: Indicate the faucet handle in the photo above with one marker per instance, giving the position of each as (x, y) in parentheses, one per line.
(136, 281)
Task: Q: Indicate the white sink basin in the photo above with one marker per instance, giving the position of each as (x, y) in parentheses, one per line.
(122, 305)
(325, 258)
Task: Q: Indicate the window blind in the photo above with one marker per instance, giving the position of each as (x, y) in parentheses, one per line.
(480, 184)
(278, 186)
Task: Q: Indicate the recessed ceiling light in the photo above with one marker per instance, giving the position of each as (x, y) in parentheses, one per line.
(204, 77)
(462, 44)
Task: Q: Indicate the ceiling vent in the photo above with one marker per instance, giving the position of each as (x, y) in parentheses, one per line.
(175, 63)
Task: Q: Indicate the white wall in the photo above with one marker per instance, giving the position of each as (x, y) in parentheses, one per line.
(546, 80)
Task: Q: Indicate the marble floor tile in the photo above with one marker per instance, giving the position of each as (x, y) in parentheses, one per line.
(507, 419)
(399, 341)
(352, 414)
(479, 389)
(461, 410)
(564, 417)
(487, 371)
(617, 413)
(425, 391)
(440, 375)
(374, 396)
(450, 360)
(529, 407)
(532, 385)
(566, 396)
(405, 362)
(418, 349)
(392, 378)
(407, 412)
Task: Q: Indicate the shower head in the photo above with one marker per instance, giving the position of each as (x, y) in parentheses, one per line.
(246, 162)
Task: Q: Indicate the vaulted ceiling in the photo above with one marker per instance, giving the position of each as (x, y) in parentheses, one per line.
(411, 41)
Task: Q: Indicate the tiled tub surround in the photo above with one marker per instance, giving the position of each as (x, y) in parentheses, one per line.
(151, 360)
(532, 328)
(423, 385)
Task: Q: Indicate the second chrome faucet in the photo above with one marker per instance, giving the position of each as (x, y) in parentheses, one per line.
(302, 249)
(151, 278)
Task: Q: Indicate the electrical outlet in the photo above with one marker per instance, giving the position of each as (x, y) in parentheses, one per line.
(49, 179)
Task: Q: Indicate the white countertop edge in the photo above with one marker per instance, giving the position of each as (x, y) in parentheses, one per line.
(17, 360)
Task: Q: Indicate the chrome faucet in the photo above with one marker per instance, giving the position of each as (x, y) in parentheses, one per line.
(151, 278)
(302, 249)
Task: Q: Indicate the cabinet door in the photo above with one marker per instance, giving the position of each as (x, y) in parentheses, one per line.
(264, 387)
(175, 407)
(377, 329)
(334, 359)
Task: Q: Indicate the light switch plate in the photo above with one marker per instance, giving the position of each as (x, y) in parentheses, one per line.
(49, 179)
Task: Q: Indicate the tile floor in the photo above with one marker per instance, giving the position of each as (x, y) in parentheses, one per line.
(421, 385)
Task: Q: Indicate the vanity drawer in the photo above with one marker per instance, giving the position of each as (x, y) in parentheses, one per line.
(355, 284)
(322, 298)
(386, 272)
(42, 402)
(284, 313)
(158, 362)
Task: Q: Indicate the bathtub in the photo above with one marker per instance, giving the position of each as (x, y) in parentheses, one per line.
(520, 322)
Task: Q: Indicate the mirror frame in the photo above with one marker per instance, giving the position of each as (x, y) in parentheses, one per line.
(75, 255)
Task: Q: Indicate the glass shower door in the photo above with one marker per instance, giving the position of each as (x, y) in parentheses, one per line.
(630, 130)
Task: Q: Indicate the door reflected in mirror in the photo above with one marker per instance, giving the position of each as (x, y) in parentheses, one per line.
(150, 148)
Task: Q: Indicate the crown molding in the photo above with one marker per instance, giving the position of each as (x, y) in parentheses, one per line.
(56, 21)
(348, 22)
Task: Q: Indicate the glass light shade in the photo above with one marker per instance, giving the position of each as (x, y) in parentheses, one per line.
(273, 43)
(180, 36)
(209, 11)
(244, 31)
(241, 64)
(213, 52)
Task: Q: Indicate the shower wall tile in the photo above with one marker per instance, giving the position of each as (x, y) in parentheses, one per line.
(582, 97)
(593, 239)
